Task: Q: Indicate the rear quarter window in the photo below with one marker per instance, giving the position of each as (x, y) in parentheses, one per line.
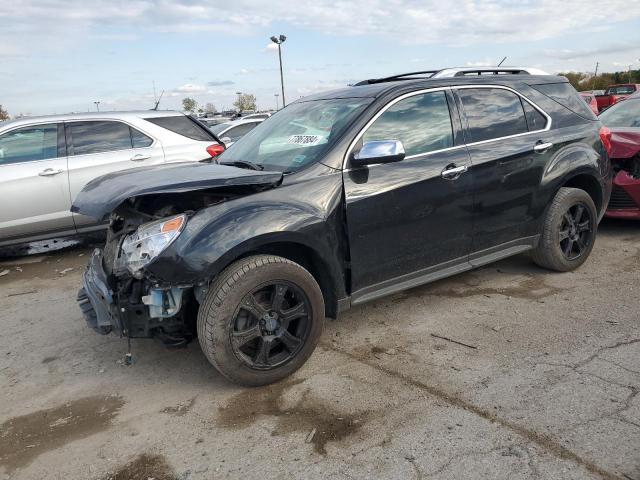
(566, 95)
(182, 125)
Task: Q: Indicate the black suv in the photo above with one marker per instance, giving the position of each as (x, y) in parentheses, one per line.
(342, 198)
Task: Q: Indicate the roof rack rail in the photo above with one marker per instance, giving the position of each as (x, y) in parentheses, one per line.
(489, 70)
(402, 76)
(455, 72)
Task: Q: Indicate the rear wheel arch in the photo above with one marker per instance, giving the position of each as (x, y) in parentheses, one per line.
(590, 184)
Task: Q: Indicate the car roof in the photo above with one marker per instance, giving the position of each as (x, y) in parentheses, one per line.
(122, 115)
(375, 90)
(240, 121)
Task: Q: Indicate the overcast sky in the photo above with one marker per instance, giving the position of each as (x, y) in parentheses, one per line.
(61, 55)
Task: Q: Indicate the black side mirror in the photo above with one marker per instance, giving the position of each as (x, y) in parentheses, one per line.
(378, 151)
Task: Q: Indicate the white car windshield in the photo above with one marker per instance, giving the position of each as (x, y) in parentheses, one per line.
(296, 136)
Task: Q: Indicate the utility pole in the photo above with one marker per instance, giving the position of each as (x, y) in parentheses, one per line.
(279, 41)
(593, 85)
(276, 95)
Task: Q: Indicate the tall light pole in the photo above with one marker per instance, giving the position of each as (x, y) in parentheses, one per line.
(239, 104)
(97, 106)
(276, 95)
(279, 41)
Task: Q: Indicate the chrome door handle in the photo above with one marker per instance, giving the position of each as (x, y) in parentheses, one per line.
(49, 172)
(139, 156)
(542, 147)
(453, 172)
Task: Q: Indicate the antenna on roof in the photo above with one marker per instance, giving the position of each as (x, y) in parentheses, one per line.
(158, 101)
(502, 61)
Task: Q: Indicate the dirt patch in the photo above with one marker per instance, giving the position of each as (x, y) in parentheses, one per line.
(181, 409)
(144, 467)
(529, 288)
(24, 438)
(319, 425)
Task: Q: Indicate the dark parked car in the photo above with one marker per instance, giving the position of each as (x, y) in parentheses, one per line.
(342, 198)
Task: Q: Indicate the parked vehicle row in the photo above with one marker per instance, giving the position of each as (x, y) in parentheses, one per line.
(46, 161)
(342, 198)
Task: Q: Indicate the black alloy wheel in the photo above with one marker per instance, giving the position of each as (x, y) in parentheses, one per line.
(271, 325)
(576, 233)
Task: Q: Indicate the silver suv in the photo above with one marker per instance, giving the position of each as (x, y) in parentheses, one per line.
(46, 161)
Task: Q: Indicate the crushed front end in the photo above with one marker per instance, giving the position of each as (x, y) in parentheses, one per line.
(117, 296)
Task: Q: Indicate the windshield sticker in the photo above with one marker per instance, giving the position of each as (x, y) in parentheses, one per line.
(298, 159)
(305, 140)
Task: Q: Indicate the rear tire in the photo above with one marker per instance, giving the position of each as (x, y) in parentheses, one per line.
(261, 319)
(568, 231)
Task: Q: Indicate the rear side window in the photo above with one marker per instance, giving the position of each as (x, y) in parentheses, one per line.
(99, 136)
(535, 120)
(492, 113)
(566, 95)
(139, 139)
(182, 125)
(26, 144)
(421, 122)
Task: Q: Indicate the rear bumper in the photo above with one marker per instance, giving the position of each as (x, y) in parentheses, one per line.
(96, 300)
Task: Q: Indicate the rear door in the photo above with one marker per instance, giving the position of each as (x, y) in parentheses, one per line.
(34, 187)
(410, 218)
(98, 147)
(509, 144)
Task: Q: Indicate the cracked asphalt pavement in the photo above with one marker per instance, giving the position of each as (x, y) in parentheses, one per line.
(551, 389)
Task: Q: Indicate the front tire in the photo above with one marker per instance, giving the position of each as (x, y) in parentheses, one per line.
(261, 319)
(568, 232)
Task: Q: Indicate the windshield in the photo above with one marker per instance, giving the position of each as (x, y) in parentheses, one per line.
(621, 90)
(623, 114)
(296, 136)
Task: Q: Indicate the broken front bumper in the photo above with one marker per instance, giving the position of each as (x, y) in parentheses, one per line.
(95, 298)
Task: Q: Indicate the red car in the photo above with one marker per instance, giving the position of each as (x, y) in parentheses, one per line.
(614, 93)
(623, 120)
(591, 101)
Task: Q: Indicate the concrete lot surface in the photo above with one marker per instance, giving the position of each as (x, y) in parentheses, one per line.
(545, 387)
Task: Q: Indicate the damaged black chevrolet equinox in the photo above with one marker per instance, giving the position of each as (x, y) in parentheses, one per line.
(341, 198)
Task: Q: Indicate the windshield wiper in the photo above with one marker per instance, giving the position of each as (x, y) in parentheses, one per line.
(244, 164)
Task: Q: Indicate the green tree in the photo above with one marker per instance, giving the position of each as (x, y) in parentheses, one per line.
(246, 101)
(4, 115)
(587, 81)
(189, 105)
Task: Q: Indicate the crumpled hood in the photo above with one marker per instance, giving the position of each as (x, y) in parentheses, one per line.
(102, 195)
(625, 142)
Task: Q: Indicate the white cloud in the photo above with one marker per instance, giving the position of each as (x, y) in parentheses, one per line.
(190, 88)
(425, 22)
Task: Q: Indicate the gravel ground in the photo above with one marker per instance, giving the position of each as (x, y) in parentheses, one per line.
(543, 384)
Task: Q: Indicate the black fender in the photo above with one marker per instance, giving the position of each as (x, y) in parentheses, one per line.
(305, 213)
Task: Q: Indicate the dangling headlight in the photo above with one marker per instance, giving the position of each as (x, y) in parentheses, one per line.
(146, 243)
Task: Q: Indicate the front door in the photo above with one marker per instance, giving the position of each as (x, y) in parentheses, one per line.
(410, 219)
(34, 187)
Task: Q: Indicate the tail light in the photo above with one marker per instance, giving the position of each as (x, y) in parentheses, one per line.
(605, 136)
(215, 149)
